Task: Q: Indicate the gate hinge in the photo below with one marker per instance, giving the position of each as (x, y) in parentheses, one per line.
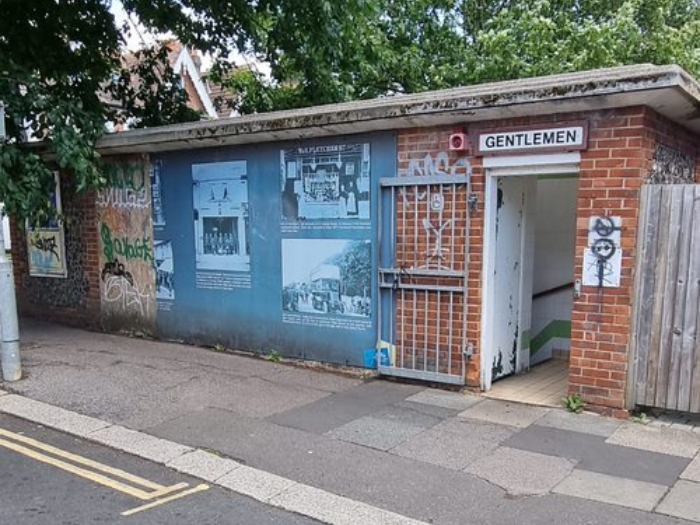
(468, 350)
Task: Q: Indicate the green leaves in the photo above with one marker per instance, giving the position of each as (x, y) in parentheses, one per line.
(149, 91)
(61, 78)
(61, 81)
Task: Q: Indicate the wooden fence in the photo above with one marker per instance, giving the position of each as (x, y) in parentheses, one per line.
(666, 317)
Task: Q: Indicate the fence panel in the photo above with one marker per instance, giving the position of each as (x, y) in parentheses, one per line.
(665, 340)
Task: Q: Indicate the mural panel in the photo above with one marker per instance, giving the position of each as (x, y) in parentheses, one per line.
(46, 244)
(272, 246)
(325, 186)
(326, 278)
(221, 224)
(127, 279)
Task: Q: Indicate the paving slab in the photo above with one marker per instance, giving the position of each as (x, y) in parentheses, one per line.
(682, 501)
(522, 473)
(583, 423)
(594, 454)
(419, 490)
(139, 444)
(50, 416)
(445, 399)
(334, 509)
(505, 413)
(662, 440)
(429, 410)
(375, 432)
(340, 408)
(692, 472)
(407, 414)
(612, 489)
(204, 465)
(455, 443)
(257, 484)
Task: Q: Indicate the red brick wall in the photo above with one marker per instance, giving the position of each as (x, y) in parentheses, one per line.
(418, 150)
(74, 300)
(616, 165)
(613, 169)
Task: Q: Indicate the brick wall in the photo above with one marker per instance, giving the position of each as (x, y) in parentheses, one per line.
(75, 299)
(425, 152)
(613, 168)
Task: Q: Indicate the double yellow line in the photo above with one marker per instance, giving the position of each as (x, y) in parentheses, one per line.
(96, 472)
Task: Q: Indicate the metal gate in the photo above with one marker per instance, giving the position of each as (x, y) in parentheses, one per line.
(424, 225)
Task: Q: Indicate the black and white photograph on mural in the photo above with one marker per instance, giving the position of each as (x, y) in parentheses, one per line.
(220, 194)
(165, 270)
(325, 182)
(326, 276)
(156, 194)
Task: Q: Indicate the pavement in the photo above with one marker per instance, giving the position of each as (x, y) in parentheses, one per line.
(343, 450)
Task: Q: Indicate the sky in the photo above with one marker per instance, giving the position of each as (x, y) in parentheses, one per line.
(137, 38)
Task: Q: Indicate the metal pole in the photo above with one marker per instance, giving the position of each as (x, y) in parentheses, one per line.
(9, 351)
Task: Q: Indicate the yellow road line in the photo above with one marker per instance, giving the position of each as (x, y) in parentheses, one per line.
(193, 490)
(87, 474)
(82, 461)
(17, 442)
(167, 490)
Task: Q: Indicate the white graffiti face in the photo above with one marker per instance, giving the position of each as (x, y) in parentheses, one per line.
(120, 291)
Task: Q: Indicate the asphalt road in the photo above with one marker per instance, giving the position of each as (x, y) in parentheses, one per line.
(35, 493)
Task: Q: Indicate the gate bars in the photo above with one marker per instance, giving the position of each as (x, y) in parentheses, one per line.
(423, 258)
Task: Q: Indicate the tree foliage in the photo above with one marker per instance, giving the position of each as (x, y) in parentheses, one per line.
(59, 58)
(60, 78)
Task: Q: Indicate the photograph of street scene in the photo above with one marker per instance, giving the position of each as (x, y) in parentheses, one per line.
(326, 276)
(326, 182)
(165, 271)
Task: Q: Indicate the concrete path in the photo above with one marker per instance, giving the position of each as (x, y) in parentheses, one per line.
(341, 450)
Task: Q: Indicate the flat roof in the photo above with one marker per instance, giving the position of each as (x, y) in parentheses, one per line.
(669, 90)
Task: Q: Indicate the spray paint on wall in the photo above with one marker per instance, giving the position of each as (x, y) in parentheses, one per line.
(46, 245)
(602, 259)
(127, 279)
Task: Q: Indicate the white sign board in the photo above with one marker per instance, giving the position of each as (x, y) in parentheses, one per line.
(602, 259)
(565, 138)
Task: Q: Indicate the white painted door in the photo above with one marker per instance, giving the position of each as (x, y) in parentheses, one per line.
(509, 228)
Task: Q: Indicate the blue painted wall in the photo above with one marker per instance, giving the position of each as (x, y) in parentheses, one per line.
(249, 315)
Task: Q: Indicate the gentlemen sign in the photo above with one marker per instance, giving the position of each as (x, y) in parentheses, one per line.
(550, 139)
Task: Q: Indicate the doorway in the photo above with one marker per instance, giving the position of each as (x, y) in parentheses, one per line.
(530, 231)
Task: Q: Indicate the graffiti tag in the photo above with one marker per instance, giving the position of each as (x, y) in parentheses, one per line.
(47, 245)
(129, 249)
(603, 257)
(439, 165)
(126, 187)
(438, 253)
(117, 269)
(118, 289)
